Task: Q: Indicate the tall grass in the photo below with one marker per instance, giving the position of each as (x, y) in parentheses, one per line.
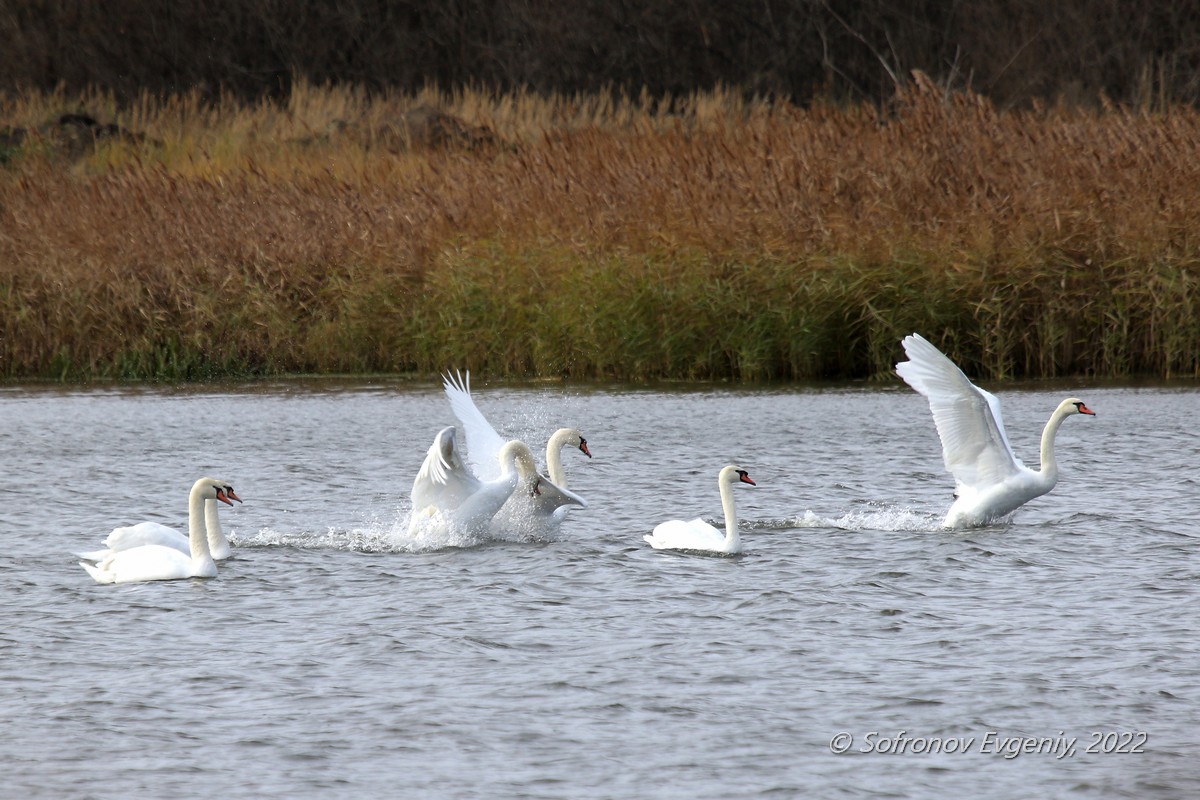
(706, 237)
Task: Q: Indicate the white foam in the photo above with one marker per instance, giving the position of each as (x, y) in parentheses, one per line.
(391, 536)
(878, 518)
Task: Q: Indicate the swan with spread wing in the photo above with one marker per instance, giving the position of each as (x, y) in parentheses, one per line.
(446, 492)
(991, 481)
(549, 504)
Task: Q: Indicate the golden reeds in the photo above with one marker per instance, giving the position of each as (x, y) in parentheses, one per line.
(707, 237)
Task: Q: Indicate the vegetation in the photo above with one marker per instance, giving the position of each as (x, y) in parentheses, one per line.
(597, 235)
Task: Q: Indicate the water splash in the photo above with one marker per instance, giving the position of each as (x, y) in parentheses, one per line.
(395, 535)
(877, 518)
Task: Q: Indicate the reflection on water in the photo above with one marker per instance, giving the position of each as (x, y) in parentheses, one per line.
(342, 657)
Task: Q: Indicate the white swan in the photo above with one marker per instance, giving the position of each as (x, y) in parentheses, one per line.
(156, 562)
(697, 534)
(552, 499)
(991, 481)
(130, 536)
(448, 492)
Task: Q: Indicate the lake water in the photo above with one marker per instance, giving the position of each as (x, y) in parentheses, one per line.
(334, 657)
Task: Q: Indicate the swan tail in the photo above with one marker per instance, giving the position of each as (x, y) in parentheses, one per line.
(101, 576)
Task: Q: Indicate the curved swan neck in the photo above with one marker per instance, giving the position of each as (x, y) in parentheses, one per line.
(197, 535)
(1049, 470)
(732, 536)
(561, 438)
(516, 462)
(554, 466)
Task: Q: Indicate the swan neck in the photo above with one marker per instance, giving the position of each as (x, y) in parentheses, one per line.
(517, 465)
(212, 523)
(197, 535)
(732, 536)
(554, 466)
(1049, 470)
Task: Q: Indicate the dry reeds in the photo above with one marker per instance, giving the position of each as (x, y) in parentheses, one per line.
(708, 237)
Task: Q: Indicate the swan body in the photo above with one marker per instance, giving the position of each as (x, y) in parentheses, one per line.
(157, 562)
(446, 490)
(144, 533)
(697, 534)
(548, 501)
(991, 481)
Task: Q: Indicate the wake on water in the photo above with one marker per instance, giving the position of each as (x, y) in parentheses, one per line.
(879, 517)
(393, 535)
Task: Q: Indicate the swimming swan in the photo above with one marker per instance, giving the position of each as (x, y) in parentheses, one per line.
(447, 490)
(483, 446)
(156, 562)
(131, 536)
(991, 481)
(699, 535)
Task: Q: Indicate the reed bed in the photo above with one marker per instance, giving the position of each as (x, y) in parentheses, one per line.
(704, 237)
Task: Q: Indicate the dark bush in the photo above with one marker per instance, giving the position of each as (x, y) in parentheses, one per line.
(1012, 50)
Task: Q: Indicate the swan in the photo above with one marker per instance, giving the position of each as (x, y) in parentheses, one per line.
(991, 481)
(551, 501)
(447, 490)
(143, 533)
(697, 534)
(156, 562)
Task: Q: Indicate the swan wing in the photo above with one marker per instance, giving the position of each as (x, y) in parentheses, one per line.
(143, 533)
(443, 482)
(975, 446)
(550, 497)
(483, 443)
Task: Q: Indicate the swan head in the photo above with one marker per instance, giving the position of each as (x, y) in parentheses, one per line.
(570, 436)
(733, 474)
(213, 489)
(1073, 405)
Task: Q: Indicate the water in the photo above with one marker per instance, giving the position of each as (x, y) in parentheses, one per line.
(334, 657)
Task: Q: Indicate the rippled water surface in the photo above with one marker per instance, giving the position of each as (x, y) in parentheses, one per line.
(335, 657)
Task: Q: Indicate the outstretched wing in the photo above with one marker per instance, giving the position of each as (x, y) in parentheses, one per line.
(442, 482)
(483, 444)
(974, 444)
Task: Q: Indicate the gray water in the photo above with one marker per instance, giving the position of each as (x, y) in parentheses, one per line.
(335, 657)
